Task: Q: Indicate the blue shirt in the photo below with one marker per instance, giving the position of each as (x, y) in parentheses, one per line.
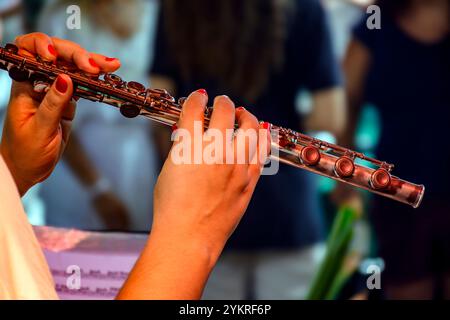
(284, 211)
(409, 83)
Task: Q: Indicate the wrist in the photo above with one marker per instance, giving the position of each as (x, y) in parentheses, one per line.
(188, 244)
(173, 265)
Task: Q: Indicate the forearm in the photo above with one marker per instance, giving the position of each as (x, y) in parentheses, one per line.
(348, 137)
(356, 66)
(329, 112)
(171, 266)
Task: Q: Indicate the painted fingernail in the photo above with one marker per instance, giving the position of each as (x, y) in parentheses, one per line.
(266, 125)
(240, 109)
(61, 84)
(52, 50)
(174, 127)
(110, 59)
(93, 63)
(202, 91)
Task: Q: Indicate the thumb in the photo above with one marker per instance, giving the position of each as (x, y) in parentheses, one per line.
(50, 112)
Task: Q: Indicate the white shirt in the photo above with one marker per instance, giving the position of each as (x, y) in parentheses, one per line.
(24, 273)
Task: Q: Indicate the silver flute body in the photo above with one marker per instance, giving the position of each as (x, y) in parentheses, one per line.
(292, 148)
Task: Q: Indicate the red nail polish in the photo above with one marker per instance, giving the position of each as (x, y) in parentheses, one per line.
(93, 63)
(110, 59)
(202, 91)
(240, 109)
(266, 125)
(61, 84)
(52, 50)
(174, 127)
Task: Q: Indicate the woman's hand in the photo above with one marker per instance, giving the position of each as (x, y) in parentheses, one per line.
(37, 125)
(207, 201)
(198, 206)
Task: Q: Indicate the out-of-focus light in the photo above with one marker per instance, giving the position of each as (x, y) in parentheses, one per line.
(362, 2)
(339, 3)
(6, 5)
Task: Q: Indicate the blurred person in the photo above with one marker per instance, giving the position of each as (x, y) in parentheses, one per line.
(110, 161)
(36, 131)
(260, 53)
(403, 69)
(31, 11)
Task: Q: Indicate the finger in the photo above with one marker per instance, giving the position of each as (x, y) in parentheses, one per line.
(246, 137)
(86, 61)
(24, 99)
(257, 163)
(256, 166)
(51, 110)
(106, 64)
(74, 53)
(193, 111)
(38, 43)
(264, 144)
(223, 115)
(25, 53)
(22, 90)
(254, 173)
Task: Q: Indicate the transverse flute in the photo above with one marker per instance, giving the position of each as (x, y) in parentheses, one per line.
(293, 148)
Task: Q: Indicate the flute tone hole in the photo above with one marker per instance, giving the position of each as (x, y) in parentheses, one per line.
(380, 179)
(344, 167)
(135, 87)
(114, 80)
(310, 155)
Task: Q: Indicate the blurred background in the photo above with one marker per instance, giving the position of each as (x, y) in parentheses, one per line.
(376, 79)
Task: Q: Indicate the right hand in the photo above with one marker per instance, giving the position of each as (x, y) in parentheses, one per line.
(205, 202)
(112, 211)
(198, 206)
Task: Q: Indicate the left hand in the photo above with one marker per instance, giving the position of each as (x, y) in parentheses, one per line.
(37, 125)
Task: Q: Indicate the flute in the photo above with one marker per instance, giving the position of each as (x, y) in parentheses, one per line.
(292, 148)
